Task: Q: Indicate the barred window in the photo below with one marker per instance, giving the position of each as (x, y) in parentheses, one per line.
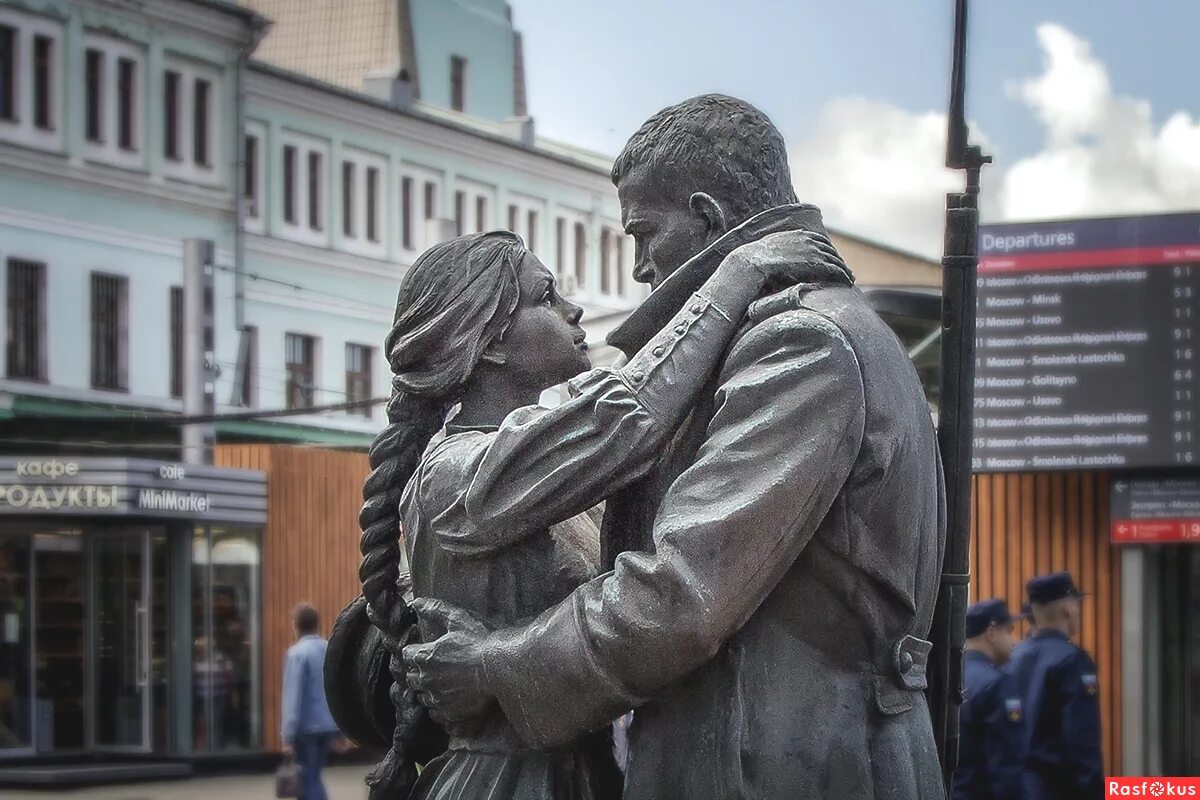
(110, 332)
(26, 320)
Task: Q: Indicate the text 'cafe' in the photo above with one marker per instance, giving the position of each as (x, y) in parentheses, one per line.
(129, 608)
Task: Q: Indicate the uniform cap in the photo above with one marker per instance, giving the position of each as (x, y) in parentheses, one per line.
(1048, 588)
(984, 614)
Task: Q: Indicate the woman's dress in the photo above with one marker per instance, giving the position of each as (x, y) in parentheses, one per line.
(505, 577)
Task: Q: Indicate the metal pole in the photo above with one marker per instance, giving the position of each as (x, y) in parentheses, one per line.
(199, 373)
(955, 411)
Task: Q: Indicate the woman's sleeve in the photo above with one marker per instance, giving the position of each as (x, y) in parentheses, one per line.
(545, 465)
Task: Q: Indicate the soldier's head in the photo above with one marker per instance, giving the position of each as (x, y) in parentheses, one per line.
(305, 619)
(990, 629)
(1056, 602)
(693, 171)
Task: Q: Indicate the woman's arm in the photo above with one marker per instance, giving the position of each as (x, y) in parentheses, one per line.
(545, 465)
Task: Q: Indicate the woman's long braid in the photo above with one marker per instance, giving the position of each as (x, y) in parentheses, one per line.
(394, 456)
(458, 297)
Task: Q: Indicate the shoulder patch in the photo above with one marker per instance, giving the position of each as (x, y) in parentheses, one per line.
(1090, 684)
(1012, 705)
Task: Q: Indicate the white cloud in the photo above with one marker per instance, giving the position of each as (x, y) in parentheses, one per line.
(876, 169)
(1103, 153)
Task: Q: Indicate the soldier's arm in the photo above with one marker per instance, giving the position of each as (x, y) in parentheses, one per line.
(1003, 747)
(787, 429)
(545, 465)
(1080, 692)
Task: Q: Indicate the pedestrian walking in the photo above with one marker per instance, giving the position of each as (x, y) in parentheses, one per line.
(309, 731)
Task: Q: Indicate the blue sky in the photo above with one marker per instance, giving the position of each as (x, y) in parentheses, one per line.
(596, 70)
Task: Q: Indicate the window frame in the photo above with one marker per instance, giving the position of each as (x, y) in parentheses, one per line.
(25, 126)
(119, 337)
(256, 183)
(458, 83)
(198, 154)
(299, 229)
(359, 383)
(295, 371)
(17, 309)
(109, 147)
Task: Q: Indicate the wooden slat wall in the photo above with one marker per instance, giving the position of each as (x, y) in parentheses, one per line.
(1024, 525)
(310, 546)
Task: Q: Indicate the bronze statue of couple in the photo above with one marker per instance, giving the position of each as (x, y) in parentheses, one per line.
(762, 585)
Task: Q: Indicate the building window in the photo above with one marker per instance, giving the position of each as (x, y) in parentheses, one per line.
(430, 200)
(460, 212)
(481, 209)
(110, 331)
(406, 222)
(250, 174)
(171, 82)
(176, 341)
(43, 82)
(289, 184)
(348, 198)
(26, 320)
(458, 81)
(560, 246)
(532, 224)
(514, 214)
(358, 377)
(201, 101)
(247, 377)
(580, 254)
(94, 124)
(620, 264)
(8, 73)
(605, 261)
(372, 209)
(126, 103)
(301, 367)
(314, 191)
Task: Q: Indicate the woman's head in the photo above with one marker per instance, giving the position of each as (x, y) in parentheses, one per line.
(481, 302)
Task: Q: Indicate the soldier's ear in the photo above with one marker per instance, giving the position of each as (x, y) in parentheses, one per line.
(707, 208)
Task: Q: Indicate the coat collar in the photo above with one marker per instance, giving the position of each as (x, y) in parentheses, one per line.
(665, 301)
(975, 655)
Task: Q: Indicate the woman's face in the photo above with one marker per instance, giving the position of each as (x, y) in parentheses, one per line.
(544, 344)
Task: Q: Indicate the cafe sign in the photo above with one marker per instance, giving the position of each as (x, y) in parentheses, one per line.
(130, 487)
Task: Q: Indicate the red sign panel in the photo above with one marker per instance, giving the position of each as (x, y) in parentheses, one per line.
(1155, 509)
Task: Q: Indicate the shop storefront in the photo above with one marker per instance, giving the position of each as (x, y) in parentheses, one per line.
(129, 608)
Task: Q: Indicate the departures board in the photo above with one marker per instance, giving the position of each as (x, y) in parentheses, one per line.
(1087, 343)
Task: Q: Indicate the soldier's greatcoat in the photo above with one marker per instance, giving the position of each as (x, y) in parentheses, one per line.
(769, 621)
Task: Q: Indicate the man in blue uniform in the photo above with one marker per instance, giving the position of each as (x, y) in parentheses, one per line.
(991, 718)
(1061, 697)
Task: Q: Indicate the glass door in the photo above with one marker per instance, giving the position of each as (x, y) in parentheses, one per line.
(121, 641)
(16, 646)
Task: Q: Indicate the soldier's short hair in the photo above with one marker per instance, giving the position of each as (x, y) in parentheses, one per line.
(714, 144)
(307, 619)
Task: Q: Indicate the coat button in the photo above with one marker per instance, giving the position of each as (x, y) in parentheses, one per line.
(680, 328)
(906, 661)
(697, 308)
(658, 351)
(638, 377)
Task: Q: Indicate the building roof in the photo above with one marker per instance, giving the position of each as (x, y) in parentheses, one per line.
(337, 41)
(568, 154)
(230, 7)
